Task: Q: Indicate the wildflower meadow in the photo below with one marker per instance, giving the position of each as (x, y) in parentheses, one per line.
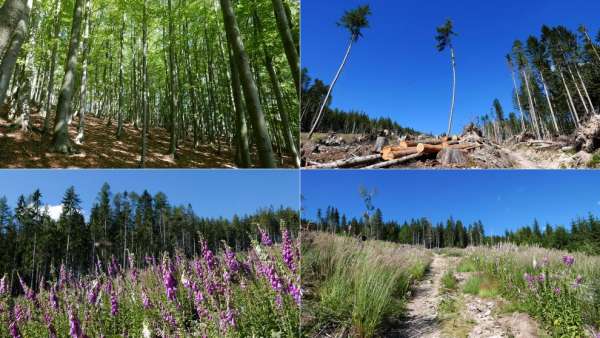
(255, 293)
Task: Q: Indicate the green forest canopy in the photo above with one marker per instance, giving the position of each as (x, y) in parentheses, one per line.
(34, 244)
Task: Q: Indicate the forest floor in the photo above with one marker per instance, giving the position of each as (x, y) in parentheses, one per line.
(102, 149)
(470, 315)
(326, 148)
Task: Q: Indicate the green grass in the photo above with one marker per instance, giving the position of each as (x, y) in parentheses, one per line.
(467, 265)
(355, 286)
(449, 282)
(595, 161)
(482, 286)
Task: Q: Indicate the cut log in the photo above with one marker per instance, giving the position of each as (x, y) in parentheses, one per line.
(390, 153)
(380, 143)
(349, 162)
(394, 162)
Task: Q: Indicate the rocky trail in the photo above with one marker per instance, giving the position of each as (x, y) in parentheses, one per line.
(480, 314)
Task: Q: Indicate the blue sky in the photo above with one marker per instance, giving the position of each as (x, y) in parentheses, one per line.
(500, 199)
(212, 193)
(395, 69)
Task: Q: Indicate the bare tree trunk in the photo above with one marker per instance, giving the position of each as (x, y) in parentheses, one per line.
(587, 95)
(261, 135)
(61, 142)
(83, 105)
(572, 104)
(50, 87)
(453, 60)
(587, 110)
(121, 84)
(13, 47)
(512, 73)
(532, 107)
(240, 118)
(549, 102)
(144, 87)
(285, 33)
(173, 98)
(337, 75)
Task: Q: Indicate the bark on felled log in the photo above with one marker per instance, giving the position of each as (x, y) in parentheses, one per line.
(349, 162)
(390, 153)
(394, 162)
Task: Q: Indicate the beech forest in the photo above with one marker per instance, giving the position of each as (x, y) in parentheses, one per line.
(153, 83)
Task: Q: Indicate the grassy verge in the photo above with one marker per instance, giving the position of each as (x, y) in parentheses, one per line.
(561, 290)
(353, 286)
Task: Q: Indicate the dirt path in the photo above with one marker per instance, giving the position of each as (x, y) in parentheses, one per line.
(422, 309)
(521, 161)
(422, 316)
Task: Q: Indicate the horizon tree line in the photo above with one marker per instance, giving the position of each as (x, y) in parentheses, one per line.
(35, 245)
(583, 234)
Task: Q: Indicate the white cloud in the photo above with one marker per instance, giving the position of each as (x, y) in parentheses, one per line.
(54, 211)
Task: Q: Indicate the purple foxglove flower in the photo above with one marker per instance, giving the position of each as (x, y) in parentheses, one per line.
(168, 317)
(208, 256)
(231, 260)
(271, 275)
(296, 293)
(287, 251)
(53, 298)
(51, 330)
(114, 304)
(14, 330)
(557, 291)
(62, 277)
(168, 280)
(19, 313)
(93, 292)
(568, 260)
(75, 327)
(146, 301)
(265, 239)
(29, 293)
(545, 261)
(197, 264)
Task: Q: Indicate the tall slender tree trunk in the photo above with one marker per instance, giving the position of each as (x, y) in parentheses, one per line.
(285, 121)
(144, 87)
(587, 94)
(587, 110)
(241, 128)
(285, 33)
(593, 46)
(532, 106)
(60, 141)
(512, 72)
(121, 83)
(13, 47)
(549, 102)
(453, 60)
(173, 98)
(83, 104)
(261, 135)
(337, 75)
(570, 99)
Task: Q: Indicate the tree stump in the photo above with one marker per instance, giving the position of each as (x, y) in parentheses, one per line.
(449, 156)
(379, 144)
